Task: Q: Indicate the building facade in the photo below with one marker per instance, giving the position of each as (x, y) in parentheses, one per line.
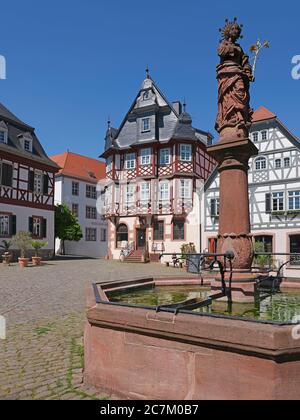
(274, 188)
(26, 184)
(156, 166)
(76, 186)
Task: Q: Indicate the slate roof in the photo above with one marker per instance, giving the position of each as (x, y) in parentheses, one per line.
(17, 128)
(80, 167)
(171, 125)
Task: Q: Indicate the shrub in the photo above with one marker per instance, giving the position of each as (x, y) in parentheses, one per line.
(22, 240)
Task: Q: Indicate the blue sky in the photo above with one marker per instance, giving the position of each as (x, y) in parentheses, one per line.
(71, 63)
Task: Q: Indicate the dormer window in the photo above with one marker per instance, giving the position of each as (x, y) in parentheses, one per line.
(146, 125)
(146, 95)
(3, 133)
(26, 141)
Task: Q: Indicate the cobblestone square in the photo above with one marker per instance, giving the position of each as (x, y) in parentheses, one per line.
(44, 308)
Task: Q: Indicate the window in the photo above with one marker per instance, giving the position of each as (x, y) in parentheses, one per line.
(145, 125)
(267, 242)
(185, 189)
(165, 157)
(6, 175)
(164, 191)
(109, 164)
(75, 189)
(178, 230)
(91, 213)
(215, 207)
(287, 162)
(278, 201)
(27, 145)
(294, 200)
(4, 226)
(103, 235)
(37, 227)
(278, 163)
(91, 235)
(145, 191)
(91, 192)
(122, 236)
(3, 136)
(130, 161)
(38, 183)
(186, 152)
(145, 157)
(75, 210)
(146, 95)
(255, 137)
(158, 231)
(295, 249)
(130, 191)
(261, 164)
(264, 135)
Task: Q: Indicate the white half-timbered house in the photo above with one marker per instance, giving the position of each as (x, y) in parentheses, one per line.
(274, 188)
(156, 164)
(26, 183)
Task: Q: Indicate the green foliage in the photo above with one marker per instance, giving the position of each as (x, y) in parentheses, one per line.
(6, 246)
(187, 249)
(22, 240)
(67, 227)
(37, 246)
(261, 260)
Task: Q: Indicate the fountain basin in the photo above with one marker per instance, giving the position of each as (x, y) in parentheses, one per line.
(135, 352)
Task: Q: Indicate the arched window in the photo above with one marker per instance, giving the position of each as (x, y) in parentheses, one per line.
(122, 235)
(261, 164)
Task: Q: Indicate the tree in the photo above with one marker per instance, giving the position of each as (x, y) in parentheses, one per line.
(67, 227)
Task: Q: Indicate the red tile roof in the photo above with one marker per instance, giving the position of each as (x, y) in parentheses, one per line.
(80, 167)
(262, 114)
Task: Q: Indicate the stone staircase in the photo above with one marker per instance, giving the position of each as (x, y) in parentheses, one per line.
(135, 257)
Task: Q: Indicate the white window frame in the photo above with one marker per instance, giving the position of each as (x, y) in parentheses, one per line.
(75, 210)
(186, 189)
(75, 189)
(91, 234)
(217, 207)
(186, 152)
(5, 136)
(38, 182)
(103, 235)
(294, 196)
(146, 128)
(278, 197)
(4, 225)
(36, 227)
(145, 191)
(260, 160)
(109, 164)
(145, 157)
(165, 157)
(278, 163)
(91, 192)
(130, 161)
(129, 194)
(255, 137)
(91, 213)
(164, 191)
(262, 135)
(285, 161)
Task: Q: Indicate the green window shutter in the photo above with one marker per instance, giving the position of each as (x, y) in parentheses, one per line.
(31, 181)
(13, 225)
(46, 184)
(30, 225)
(44, 228)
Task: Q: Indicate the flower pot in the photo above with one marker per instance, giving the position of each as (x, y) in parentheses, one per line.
(23, 262)
(36, 261)
(6, 258)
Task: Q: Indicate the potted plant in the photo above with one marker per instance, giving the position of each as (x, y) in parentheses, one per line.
(37, 246)
(6, 256)
(22, 241)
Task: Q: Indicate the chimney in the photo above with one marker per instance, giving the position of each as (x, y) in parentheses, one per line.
(177, 105)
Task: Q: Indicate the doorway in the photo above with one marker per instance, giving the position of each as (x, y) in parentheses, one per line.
(141, 238)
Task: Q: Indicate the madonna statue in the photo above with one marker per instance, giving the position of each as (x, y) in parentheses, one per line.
(234, 75)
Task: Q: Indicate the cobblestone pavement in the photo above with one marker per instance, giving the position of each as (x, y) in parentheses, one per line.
(44, 307)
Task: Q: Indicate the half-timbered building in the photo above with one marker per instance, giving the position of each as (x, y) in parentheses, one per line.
(274, 188)
(26, 183)
(156, 164)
